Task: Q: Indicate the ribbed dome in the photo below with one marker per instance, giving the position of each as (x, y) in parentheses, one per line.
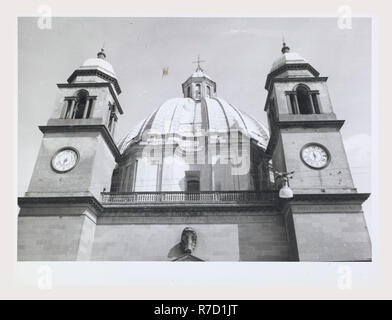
(189, 117)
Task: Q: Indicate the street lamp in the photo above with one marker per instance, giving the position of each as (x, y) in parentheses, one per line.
(285, 192)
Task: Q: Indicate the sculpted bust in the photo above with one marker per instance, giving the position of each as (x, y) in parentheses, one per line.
(188, 240)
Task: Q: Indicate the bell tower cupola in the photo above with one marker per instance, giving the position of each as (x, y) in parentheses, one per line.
(90, 96)
(199, 85)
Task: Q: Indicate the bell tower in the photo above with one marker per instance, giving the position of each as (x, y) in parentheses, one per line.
(306, 139)
(79, 134)
(74, 165)
(305, 133)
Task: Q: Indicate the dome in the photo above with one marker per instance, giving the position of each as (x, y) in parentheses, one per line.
(290, 65)
(96, 70)
(199, 142)
(98, 63)
(287, 58)
(190, 117)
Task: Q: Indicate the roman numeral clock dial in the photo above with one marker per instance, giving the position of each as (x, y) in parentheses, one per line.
(315, 156)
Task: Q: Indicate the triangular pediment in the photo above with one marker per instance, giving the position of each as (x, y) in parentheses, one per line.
(188, 257)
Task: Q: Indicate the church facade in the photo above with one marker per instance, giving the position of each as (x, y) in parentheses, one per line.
(197, 180)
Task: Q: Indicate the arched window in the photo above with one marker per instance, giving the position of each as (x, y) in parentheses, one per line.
(208, 92)
(189, 92)
(198, 90)
(304, 102)
(80, 105)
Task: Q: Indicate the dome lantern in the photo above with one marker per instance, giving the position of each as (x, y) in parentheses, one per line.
(199, 85)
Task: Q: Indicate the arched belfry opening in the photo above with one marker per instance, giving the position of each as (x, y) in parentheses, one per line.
(81, 101)
(304, 103)
(198, 91)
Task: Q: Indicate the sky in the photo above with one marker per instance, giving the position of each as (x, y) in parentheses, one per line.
(238, 52)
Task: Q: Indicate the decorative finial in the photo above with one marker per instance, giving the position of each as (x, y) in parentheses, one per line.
(101, 54)
(285, 48)
(198, 63)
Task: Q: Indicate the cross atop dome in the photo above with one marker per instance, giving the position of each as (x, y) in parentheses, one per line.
(198, 61)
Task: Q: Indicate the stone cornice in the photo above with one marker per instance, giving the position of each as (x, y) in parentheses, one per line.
(301, 203)
(285, 67)
(310, 124)
(301, 79)
(352, 196)
(93, 84)
(95, 72)
(86, 128)
(200, 208)
(325, 202)
(58, 201)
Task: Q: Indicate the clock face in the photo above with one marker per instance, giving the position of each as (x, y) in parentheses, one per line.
(315, 156)
(64, 160)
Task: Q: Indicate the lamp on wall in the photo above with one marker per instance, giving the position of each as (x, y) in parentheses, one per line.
(285, 191)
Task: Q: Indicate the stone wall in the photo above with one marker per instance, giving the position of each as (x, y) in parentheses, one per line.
(262, 241)
(45, 181)
(91, 174)
(332, 237)
(307, 231)
(335, 176)
(54, 237)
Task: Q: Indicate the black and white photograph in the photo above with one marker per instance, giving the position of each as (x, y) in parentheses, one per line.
(196, 159)
(200, 139)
